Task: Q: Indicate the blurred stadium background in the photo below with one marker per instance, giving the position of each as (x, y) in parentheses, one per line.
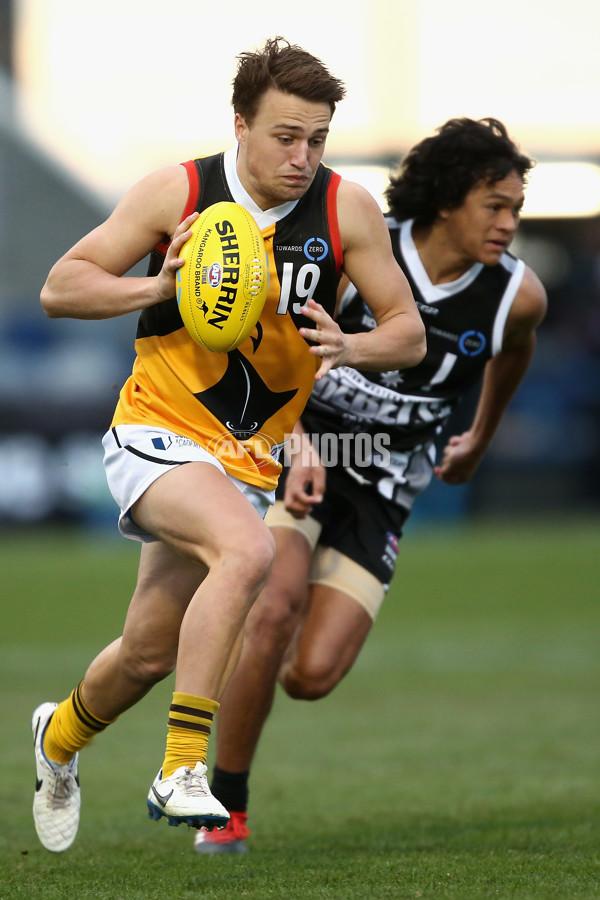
(93, 97)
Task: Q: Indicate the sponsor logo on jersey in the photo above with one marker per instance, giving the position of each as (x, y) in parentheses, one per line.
(427, 309)
(368, 403)
(472, 343)
(316, 249)
(449, 335)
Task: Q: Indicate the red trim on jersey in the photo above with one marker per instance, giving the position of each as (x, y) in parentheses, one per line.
(192, 171)
(332, 218)
(190, 205)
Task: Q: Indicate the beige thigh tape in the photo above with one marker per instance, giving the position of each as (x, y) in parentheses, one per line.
(278, 517)
(332, 569)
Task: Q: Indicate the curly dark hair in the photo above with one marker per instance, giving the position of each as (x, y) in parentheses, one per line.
(439, 172)
(287, 68)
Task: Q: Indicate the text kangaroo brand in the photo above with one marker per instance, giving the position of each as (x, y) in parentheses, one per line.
(231, 274)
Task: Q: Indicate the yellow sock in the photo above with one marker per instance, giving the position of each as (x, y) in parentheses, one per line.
(190, 720)
(71, 727)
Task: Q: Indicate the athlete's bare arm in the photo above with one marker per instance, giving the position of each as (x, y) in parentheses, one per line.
(502, 376)
(86, 282)
(398, 342)
(305, 483)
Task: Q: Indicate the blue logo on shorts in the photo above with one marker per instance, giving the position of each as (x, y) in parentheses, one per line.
(159, 444)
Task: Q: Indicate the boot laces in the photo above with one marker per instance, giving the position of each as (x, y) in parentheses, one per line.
(64, 787)
(195, 784)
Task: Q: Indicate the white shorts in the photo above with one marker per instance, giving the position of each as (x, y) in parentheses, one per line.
(136, 455)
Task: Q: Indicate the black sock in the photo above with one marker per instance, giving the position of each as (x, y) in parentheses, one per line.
(231, 789)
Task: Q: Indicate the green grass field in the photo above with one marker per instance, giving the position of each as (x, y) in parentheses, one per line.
(459, 759)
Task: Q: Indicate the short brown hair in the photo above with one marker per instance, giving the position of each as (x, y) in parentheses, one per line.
(287, 68)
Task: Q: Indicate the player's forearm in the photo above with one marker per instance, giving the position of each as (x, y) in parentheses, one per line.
(397, 343)
(300, 449)
(503, 375)
(79, 289)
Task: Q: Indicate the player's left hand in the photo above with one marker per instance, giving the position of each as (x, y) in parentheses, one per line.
(460, 459)
(330, 341)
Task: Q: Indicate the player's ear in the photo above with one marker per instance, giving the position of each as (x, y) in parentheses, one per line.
(240, 127)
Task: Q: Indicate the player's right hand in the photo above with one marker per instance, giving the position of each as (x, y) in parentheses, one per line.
(165, 280)
(460, 459)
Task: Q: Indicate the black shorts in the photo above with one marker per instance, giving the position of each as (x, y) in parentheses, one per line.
(358, 522)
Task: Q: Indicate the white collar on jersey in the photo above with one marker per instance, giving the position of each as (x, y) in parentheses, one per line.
(263, 218)
(431, 292)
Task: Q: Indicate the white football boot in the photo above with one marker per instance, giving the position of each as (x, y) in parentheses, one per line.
(185, 798)
(57, 797)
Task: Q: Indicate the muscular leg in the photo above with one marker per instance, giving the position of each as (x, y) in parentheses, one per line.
(199, 513)
(179, 615)
(326, 644)
(271, 623)
(195, 588)
(133, 663)
(311, 637)
(183, 614)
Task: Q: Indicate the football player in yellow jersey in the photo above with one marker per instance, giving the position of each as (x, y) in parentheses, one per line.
(205, 550)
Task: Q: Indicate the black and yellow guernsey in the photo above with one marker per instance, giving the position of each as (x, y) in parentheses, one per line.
(241, 405)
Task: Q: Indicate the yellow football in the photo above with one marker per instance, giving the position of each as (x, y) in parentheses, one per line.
(222, 285)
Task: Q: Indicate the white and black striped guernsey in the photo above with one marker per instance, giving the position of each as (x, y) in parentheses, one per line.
(464, 321)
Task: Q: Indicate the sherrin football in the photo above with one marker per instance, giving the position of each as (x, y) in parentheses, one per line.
(222, 285)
